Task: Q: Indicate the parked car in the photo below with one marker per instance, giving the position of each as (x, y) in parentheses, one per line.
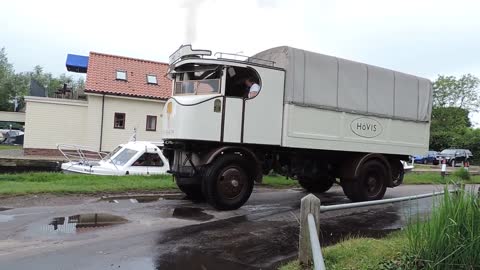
(430, 157)
(12, 137)
(454, 156)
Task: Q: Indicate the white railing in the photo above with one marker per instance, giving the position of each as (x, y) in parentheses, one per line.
(309, 245)
(80, 154)
(318, 262)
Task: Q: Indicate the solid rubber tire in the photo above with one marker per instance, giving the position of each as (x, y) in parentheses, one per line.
(356, 190)
(193, 191)
(211, 176)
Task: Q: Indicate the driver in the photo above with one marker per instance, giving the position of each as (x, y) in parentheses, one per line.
(253, 87)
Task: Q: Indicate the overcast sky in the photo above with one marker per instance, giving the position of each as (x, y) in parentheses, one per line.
(421, 37)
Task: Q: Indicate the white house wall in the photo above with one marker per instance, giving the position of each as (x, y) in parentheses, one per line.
(49, 121)
(136, 111)
(12, 116)
(94, 116)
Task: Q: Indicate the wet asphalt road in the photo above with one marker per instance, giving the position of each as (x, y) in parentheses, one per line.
(139, 233)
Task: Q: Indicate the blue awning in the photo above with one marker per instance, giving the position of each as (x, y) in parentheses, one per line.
(77, 63)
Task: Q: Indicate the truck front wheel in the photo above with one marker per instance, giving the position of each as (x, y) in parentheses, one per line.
(370, 184)
(228, 183)
(191, 187)
(316, 185)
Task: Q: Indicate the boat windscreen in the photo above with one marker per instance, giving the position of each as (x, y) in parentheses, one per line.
(111, 154)
(124, 156)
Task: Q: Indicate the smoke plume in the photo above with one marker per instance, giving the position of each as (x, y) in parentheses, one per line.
(191, 7)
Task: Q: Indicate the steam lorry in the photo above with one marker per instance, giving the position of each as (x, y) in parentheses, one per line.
(317, 119)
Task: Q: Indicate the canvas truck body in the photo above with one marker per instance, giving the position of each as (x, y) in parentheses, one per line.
(318, 119)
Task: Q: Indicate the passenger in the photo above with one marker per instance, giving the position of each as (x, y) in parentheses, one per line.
(253, 87)
(145, 160)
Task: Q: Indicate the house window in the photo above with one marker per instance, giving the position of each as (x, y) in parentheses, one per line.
(119, 121)
(121, 75)
(151, 123)
(152, 79)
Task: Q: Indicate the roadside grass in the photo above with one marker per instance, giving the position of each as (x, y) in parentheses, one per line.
(9, 147)
(359, 253)
(28, 183)
(59, 183)
(424, 166)
(435, 178)
(364, 253)
(448, 239)
(279, 182)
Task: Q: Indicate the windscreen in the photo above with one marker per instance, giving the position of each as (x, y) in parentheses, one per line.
(124, 156)
(111, 154)
(197, 80)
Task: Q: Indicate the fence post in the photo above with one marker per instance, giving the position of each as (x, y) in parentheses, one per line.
(310, 204)
(444, 168)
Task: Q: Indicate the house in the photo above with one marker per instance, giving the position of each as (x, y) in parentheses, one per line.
(122, 95)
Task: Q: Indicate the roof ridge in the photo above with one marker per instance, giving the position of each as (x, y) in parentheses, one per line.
(130, 58)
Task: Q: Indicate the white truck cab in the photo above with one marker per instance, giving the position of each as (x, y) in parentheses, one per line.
(315, 118)
(211, 96)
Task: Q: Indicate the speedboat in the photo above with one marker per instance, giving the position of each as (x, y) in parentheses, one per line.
(132, 158)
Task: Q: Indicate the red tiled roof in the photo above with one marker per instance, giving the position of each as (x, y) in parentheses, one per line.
(102, 70)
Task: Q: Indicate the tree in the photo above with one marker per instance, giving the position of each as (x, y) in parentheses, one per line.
(454, 118)
(448, 91)
(447, 127)
(14, 86)
(453, 100)
(7, 92)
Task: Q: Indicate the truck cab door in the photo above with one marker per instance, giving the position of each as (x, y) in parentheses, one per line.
(233, 103)
(232, 120)
(263, 114)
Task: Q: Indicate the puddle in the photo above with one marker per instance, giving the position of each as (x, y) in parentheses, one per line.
(82, 223)
(138, 199)
(371, 223)
(228, 244)
(191, 213)
(5, 218)
(188, 259)
(144, 198)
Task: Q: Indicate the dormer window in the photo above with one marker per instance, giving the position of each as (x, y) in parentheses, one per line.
(151, 79)
(121, 75)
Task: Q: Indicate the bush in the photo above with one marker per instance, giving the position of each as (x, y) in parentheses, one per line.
(450, 238)
(462, 173)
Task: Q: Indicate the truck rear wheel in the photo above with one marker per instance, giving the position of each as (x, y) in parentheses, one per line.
(316, 185)
(227, 183)
(191, 187)
(370, 184)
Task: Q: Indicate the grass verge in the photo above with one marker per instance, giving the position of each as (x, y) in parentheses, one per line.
(9, 147)
(59, 183)
(28, 183)
(435, 178)
(279, 182)
(448, 239)
(359, 253)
